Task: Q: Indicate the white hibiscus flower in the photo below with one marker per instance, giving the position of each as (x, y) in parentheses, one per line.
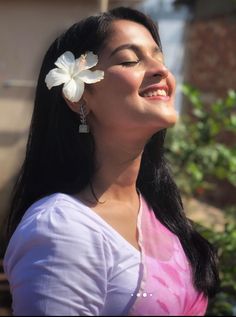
(73, 73)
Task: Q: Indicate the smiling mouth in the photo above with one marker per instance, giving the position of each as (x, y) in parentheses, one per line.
(155, 92)
(158, 92)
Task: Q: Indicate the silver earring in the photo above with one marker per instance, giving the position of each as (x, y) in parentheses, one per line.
(83, 127)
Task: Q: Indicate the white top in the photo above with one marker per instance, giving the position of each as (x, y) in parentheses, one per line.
(65, 260)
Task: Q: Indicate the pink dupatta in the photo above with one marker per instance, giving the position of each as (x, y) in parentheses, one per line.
(166, 287)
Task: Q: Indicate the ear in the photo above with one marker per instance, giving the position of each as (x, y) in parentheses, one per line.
(76, 106)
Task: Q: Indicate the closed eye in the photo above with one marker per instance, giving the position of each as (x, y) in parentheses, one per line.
(129, 63)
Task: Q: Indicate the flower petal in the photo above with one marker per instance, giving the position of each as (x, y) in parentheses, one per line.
(56, 77)
(86, 61)
(90, 77)
(91, 60)
(73, 90)
(66, 61)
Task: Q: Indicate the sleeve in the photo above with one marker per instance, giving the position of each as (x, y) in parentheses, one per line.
(58, 266)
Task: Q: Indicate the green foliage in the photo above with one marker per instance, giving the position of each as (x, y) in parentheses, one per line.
(194, 146)
(198, 157)
(224, 303)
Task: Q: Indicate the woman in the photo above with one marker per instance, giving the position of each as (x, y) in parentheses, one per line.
(97, 222)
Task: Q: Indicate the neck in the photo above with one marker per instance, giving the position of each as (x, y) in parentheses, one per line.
(118, 165)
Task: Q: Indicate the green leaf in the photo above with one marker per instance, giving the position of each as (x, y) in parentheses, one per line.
(199, 113)
(232, 94)
(233, 120)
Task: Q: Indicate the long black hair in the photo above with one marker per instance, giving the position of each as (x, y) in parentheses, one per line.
(59, 159)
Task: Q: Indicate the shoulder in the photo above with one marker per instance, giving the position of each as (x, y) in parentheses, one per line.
(58, 212)
(58, 225)
(58, 246)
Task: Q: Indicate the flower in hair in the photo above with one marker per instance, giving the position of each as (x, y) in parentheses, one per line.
(74, 73)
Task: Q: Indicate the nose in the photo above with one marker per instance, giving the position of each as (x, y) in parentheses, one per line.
(157, 68)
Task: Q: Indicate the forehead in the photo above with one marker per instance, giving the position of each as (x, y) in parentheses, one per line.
(128, 32)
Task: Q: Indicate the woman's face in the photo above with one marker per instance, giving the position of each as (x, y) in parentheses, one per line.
(137, 92)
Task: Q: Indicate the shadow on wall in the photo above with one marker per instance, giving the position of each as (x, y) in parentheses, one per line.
(5, 193)
(11, 138)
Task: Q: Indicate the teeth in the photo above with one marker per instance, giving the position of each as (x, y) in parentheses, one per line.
(158, 92)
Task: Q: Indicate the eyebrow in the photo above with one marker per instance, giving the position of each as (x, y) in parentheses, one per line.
(133, 47)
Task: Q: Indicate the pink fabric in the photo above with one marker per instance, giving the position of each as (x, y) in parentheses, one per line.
(166, 288)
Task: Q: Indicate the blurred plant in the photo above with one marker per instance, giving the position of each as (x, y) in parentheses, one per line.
(197, 155)
(224, 303)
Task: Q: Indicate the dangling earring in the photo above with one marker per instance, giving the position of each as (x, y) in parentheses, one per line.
(83, 127)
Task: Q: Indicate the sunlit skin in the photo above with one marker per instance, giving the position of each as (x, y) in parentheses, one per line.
(133, 101)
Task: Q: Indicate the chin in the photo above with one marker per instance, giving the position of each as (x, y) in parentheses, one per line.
(169, 119)
(172, 120)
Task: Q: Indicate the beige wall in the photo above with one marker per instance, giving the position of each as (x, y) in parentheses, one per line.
(29, 27)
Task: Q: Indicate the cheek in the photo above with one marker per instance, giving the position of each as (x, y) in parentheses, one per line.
(125, 82)
(172, 81)
(117, 87)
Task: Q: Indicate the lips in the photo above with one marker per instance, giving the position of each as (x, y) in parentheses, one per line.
(155, 91)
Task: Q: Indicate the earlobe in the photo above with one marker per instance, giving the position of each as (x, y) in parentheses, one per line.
(74, 106)
(81, 109)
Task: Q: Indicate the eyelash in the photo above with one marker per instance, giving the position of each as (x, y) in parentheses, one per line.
(129, 63)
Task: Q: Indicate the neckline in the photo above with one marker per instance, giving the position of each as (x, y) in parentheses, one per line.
(78, 201)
